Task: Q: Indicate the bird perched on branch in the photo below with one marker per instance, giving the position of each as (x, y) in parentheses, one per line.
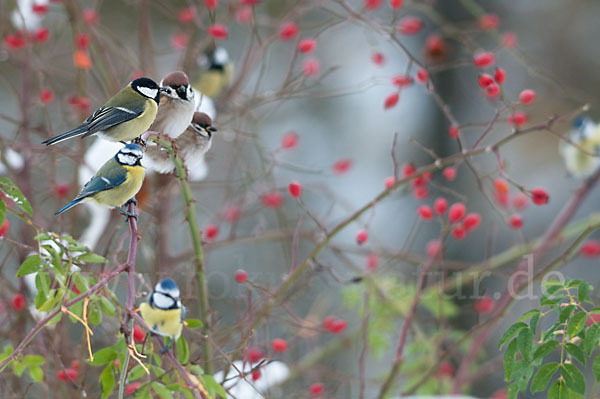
(191, 145)
(582, 153)
(217, 74)
(163, 312)
(117, 181)
(176, 106)
(124, 117)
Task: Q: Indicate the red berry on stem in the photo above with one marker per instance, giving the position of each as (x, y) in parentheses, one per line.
(338, 326)
(211, 232)
(255, 375)
(539, 196)
(372, 262)
(501, 186)
(395, 4)
(389, 181)
(47, 95)
(311, 67)
(488, 22)
(409, 25)
(515, 221)
(218, 31)
(422, 75)
(243, 15)
(279, 345)
(295, 189)
(211, 4)
(40, 9)
(520, 201)
(518, 118)
(456, 212)
(378, 58)
(509, 40)
(449, 173)
(240, 276)
(75, 364)
(471, 221)
(62, 189)
(425, 212)
(272, 200)
(131, 388)
(4, 228)
(492, 90)
(41, 35)
(288, 31)
(15, 42)
(420, 192)
(499, 75)
(408, 169)
(342, 166)
(391, 100)
(590, 249)
(440, 205)
(401, 80)
(372, 4)
(307, 45)
(138, 334)
(459, 232)
(18, 302)
(289, 140)
(483, 59)
(433, 248)
(446, 369)
(485, 80)
(91, 16)
(179, 41)
(232, 213)
(527, 96)
(453, 132)
(316, 388)
(361, 237)
(254, 355)
(483, 305)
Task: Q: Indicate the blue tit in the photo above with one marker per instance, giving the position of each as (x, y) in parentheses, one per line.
(582, 153)
(218, 72)
(117, 181)
(163, 312)
(124, 117)
(190, 146)
(176, 106)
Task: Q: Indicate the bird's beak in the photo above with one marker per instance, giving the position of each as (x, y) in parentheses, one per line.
(212, 128)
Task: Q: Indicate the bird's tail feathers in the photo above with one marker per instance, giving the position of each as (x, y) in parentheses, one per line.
(69, 205)
(78, 131)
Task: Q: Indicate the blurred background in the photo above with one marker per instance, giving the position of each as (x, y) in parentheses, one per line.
(333, 101)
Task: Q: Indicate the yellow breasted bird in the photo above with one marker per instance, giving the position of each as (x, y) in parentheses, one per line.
(117, 181)
(124, 117)
(163, 312)
(582, 154)
(218, 72)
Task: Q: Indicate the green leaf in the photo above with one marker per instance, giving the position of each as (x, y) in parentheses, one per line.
(573, 378)
(36, 373)
(94, 314)
(13, 192)
(161, 390)
(193, 323)
(80, 282)
(104, 356)
(534, 322)
(543, 376)
(107, 381)
(512, 392)
(33, 360)
(591, 338)
(196, 370)
(212, 385)
(576, 324)
(43, 303)
(107, 307)
(576, 352)
(525, 342)
(92, 258)
(509, 360)
(19, 368)
(183, 352)
(545, 349)
(512, 330)
(565, 313)
(136, 373)
(596, 368)
(2, 211)
(582, 291)
(558, 390)
(30, 265)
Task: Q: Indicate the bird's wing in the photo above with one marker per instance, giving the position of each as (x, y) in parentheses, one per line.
(101, 183)
(107, 117)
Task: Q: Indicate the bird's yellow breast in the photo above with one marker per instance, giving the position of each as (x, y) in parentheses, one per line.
(128, 189)
(162, 322)
(133, 128)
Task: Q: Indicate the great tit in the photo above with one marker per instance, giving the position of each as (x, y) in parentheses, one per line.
(190, 146)
(163, 311)
(217, 74)
(582, 153)
(125, 116)
(176, 107)
(117, 181)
